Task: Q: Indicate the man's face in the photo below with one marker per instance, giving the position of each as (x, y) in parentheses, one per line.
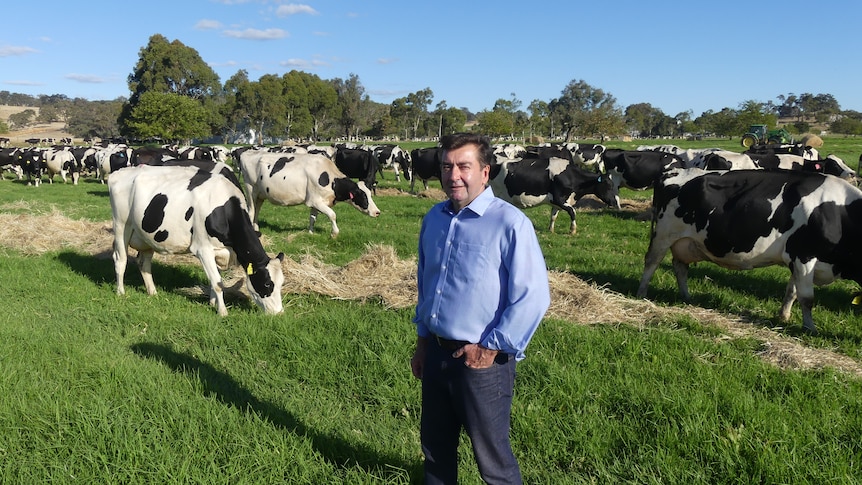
(463, 176)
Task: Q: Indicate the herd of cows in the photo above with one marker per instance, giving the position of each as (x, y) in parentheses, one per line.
(772, 205)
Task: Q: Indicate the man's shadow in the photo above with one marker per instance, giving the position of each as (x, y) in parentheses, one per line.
(224, 388)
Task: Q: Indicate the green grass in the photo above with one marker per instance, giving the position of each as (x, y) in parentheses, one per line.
(96, 388)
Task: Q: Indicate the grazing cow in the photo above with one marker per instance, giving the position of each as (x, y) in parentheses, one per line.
(637, 169)
(301, 178)
(191, 209)
(532, 181)
(395, 157)
(61, 162)
(722, 160)
(742, 219)
(548, 151)
(359, 164)
(425, 165)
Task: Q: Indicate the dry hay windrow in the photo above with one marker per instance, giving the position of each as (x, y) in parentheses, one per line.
(391, 281)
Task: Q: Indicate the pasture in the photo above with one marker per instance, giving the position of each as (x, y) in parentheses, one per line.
(100, 388)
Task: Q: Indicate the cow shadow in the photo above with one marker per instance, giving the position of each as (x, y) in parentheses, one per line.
(99, 268)
(220, 385)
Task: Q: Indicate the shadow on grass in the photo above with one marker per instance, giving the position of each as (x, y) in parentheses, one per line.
(223, 387)
(100, 270)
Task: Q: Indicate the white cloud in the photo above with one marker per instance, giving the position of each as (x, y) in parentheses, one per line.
(86, 78)
(303, 63)
(24, 83)
(207, 24)
(293, 9)
(383, 60)
(16, 50)
(257, 34)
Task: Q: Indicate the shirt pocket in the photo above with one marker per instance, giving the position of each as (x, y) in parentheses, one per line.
(470, 264)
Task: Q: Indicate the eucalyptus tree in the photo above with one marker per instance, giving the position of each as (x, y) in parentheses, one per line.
(171, 67)
(582, 109)
(350, 93)
(262, 104)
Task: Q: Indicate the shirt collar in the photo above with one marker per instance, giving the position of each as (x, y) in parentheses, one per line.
(478, 206)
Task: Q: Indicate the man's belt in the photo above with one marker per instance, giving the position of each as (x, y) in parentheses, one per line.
(448, 344)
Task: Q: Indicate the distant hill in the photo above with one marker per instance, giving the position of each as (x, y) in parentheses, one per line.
(41, 130)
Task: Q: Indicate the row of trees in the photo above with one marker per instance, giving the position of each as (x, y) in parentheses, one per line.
(176, 96)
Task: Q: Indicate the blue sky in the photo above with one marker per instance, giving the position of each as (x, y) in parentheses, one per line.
(674, 55)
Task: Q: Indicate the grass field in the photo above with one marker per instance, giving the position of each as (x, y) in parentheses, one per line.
(96, 388)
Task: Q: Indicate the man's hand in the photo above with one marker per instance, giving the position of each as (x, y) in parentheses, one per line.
(417, 362)
(476, 356)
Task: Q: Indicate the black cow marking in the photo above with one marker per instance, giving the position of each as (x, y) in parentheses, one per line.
(154, 214)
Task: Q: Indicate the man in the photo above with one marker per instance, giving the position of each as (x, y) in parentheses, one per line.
(483, 289)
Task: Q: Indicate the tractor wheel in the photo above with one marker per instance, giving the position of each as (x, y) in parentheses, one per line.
(775, 141)
(748, 141)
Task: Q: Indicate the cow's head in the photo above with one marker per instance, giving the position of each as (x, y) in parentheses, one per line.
(264, 284)
(355, 194)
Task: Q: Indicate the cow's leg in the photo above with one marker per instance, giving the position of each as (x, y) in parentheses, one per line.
(331, 215)
(802, 280)
(312, 217)
(145, 264)
(789, 298)
(120, 258)
(208, 261)
(680, 269)
(654, 256)
(554, 212)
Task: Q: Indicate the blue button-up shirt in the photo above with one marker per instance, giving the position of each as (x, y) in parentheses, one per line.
(481, 275)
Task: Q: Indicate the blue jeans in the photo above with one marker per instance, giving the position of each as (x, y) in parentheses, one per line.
(480, 401)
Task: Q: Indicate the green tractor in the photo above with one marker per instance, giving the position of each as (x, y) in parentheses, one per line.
(758, 135)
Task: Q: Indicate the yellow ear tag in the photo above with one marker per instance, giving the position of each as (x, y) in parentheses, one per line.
(857, 300)
(249, 269)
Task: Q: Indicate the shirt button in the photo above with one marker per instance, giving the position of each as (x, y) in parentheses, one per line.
(433, 315)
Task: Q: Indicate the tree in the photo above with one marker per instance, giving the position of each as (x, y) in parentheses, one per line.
(168, 116)
(753, 113)
(171, 67)
(90, 119)
(495, 123)
(350, 94)
(575, 105)
(262, 102)
(4, 128)
(323, 104)
(539, 119)
(22, 118)
(298, 119)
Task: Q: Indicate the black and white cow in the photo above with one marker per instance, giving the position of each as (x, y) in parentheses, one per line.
(63, 162)
(425, 165)
(588, 154)
(358, 164)
(529, 182)
(110, 159)
(153, 155)
(393, 156)
(32, 165)
(742, 219)
(9, 161)
(301, 178)
(191, 209)
(637, 169)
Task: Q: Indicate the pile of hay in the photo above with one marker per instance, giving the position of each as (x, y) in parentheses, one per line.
(811, 140)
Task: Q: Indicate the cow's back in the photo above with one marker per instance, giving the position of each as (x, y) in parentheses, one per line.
(289, 179)
(160, 205)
